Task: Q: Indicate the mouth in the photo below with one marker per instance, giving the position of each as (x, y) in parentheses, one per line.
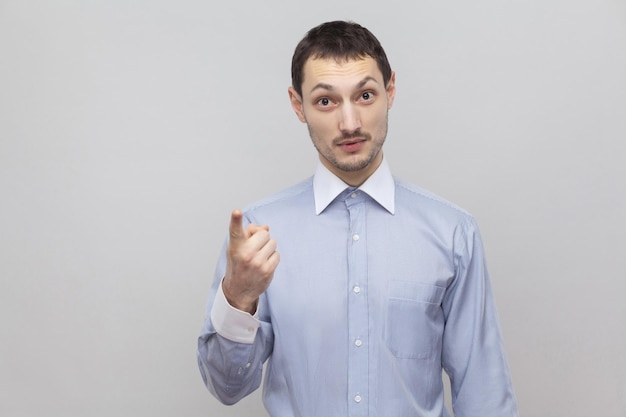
(352, 145)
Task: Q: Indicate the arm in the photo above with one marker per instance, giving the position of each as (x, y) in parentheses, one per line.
(234, 344)
(473, 352)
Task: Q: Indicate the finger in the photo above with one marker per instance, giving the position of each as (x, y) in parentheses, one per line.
(252, 228)
(236, 227)
(267, 248)
(258, 241)
(269, 262)
(273, 260)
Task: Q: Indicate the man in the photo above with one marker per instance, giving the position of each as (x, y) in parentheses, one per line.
(378, 284)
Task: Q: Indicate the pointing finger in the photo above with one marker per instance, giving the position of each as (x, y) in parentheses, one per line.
(236, 228)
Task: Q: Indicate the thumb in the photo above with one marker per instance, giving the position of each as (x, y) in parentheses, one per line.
(236, 227)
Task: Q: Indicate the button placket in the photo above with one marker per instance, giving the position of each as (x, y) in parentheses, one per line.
(358, 316)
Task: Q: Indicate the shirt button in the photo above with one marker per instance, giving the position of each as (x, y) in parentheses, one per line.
(353, 195)
(357, 398)
(355, 237)
(358, 343)
(356, 289)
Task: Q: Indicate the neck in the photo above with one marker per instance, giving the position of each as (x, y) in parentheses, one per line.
(356, 178)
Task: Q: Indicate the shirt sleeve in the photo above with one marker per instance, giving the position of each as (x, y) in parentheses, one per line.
(231, 323)
(233, 345)
(473, 354)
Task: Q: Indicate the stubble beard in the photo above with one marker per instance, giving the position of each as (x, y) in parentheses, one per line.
(353, 165)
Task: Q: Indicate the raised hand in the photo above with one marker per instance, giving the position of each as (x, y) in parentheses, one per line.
(251, 262)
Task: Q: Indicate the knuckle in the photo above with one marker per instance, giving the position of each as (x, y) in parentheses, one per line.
(267, 269)
(247, 258)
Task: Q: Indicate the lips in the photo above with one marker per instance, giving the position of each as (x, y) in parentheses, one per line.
(352, 145)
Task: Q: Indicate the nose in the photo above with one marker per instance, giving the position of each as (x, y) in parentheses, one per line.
(350, 120)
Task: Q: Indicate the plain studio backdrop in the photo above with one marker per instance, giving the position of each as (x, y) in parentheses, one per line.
(130, 129)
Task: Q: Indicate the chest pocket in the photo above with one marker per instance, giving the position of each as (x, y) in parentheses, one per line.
(414, 319)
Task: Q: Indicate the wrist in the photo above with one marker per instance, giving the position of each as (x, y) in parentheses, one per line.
(241, 302)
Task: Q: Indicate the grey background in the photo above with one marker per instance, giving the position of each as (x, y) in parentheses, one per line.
(130, 129)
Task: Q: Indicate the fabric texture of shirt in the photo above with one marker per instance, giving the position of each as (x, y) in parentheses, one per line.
(378, 289)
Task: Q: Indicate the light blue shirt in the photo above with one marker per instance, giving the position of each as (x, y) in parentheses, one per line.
(378, 289)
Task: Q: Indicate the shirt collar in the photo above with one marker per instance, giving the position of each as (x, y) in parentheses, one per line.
(380, 186)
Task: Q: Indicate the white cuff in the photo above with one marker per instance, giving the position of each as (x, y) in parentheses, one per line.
(231, 323)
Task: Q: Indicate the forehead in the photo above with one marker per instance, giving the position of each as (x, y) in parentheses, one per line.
(334, 72)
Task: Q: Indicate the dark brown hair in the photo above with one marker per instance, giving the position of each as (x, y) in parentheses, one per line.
(340, 40)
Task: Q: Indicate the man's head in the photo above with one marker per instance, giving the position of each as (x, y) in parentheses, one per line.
(341, 41)
(343, 88)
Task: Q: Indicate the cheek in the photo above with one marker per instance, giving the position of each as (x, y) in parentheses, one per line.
(321, 124)
(376, 120)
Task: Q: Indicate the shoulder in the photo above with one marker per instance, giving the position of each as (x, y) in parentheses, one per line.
(295, 197)
(418, 200)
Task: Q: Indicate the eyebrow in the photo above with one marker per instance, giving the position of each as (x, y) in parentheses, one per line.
(329, 87)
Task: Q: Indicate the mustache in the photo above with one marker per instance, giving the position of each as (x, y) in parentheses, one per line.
(357, 134)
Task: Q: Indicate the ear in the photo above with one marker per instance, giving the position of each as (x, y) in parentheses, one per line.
(391, 89)
(296, 104)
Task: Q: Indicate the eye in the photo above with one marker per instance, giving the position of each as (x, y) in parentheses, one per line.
(367, 96)
(324, 102)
